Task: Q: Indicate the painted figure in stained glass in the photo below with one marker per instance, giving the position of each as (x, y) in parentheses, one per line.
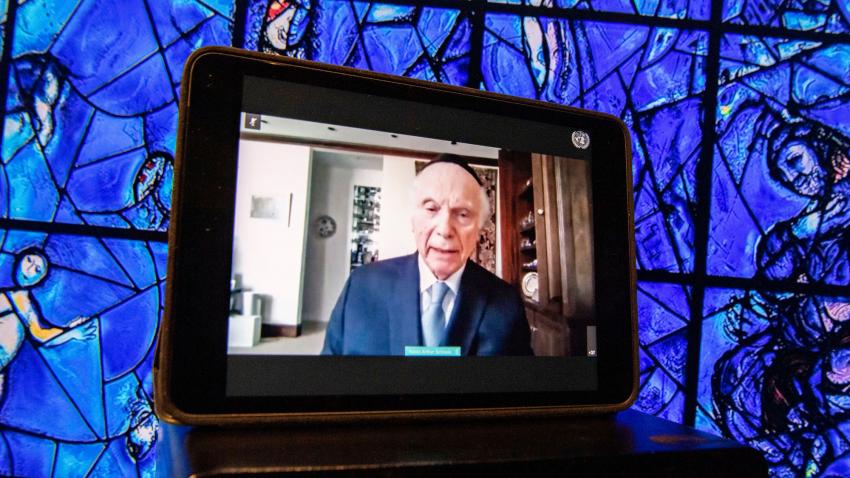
(19, 312)
(784, 387)
(143, 428)
(41, 81)
(286, 25)
(152, 192)
(763, 393)
(811, 161)
(416, 41)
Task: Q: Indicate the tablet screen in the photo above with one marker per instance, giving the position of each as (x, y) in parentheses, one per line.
(445, 257)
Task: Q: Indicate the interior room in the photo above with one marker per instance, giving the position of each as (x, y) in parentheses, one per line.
(339, 198)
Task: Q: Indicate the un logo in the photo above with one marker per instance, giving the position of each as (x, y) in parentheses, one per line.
(581, 140)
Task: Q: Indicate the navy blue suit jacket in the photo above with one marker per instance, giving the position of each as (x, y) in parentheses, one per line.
(377, 313)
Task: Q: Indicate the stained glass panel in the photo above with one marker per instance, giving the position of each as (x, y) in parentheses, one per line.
(664, 311)
(691, 9)
(774, 374)
(827, 16)
(90, 124)
(414, 41)
(79, 330)
(4, 4)
(780, 187)
(652, 78)
(89, 132)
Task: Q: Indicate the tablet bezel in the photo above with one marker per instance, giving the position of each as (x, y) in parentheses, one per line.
(192, 356)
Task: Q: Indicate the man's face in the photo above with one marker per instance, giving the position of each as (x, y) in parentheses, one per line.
(446, 209)
(800, 169)
(32, 269)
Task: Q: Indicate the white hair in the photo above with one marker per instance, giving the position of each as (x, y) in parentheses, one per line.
(484, 212)
(483, 209)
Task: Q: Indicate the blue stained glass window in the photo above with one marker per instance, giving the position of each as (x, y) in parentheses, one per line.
(664, 310)
(89, 133)
(419, 42)
(90, 122)
(691, 9)
(652, 78)
(781, 162)
(827, 16)
(773, 374)
(77, 352)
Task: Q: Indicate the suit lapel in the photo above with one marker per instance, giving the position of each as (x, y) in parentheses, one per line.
(403, 307)
(468, 310)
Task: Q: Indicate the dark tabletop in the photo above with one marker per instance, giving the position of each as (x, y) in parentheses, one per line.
(626, 444)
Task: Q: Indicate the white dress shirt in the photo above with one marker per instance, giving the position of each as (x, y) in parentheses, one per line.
(427, 279)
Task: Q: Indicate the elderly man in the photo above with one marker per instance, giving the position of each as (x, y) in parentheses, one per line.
(435, 301)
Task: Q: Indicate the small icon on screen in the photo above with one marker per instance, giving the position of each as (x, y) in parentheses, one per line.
(252, 121)
(581, 140)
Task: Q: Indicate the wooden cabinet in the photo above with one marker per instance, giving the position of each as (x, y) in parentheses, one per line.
(546, 229)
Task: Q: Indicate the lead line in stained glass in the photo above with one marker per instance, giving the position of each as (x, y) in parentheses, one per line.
(84, 96)
(437, 60)
(160, 50)
(725, 163)
(701, 218)
(649, 172)
(713, 24)
(828, 16)
(83, 230)
(476, 41)
(11, 8)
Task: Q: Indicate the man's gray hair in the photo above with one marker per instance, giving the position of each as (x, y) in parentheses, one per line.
(484, 212)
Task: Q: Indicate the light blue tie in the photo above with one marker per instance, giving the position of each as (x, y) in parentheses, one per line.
(433, 320)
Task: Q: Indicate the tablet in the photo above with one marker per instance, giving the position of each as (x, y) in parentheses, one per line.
(347, 245)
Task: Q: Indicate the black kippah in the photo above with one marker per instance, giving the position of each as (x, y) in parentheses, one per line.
(457, 160)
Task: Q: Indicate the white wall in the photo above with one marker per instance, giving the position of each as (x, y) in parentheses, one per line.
(269, 253)
(328, 259)
(396, 231)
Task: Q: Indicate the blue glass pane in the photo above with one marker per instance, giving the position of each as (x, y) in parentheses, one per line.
(692, 9)
(90, 123)
(780, 187)
(73, 458)
(39, 459)
(773, 374)
(78, 346)
(663, 315)
(115, 461)
(828, 16)
(36, 401)
(39, 23)
(176, 18)
(128, 333)
(652, 78)
(419, 42)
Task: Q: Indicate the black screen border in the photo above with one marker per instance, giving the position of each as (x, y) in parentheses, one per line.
(192, 360)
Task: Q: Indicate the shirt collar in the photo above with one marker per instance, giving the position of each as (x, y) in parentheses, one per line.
(427, 278)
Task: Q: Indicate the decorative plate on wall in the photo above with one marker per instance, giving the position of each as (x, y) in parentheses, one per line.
(530, 285)
(326, 226)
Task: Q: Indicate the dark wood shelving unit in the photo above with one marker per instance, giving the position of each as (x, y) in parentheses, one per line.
(539, 206)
